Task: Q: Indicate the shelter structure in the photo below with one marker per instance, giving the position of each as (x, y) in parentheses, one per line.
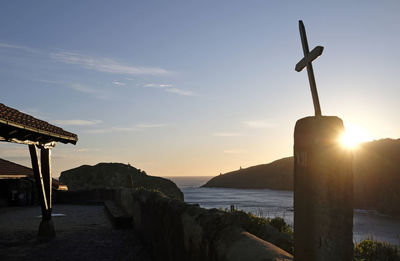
(19, 127)
(17, 185)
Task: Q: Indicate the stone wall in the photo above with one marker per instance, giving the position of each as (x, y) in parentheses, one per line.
(94, 196)
(175, 230)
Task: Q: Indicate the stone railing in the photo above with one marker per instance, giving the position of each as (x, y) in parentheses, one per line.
(175, 230)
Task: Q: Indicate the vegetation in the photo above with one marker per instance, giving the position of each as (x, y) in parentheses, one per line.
(370, 250)
(276, 222)
(367, 250)
(280, 224)
(274, 230)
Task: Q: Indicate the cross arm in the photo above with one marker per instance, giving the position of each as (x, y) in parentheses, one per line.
(311, 56)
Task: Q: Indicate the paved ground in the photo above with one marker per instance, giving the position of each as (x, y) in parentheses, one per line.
(84, 233)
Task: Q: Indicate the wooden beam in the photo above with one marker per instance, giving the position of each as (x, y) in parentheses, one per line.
(311, 56)
(17, 176)
(39, 180)
(45, 158)
(50, 144)
(12, 132)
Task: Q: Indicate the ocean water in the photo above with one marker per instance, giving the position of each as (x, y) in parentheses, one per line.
(272, 203)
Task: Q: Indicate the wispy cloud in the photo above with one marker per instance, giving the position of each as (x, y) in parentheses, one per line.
(84, 88)
(226, 134)
(37, 113)
(171, 89)
(18, 47)
(150, 125)
(105, 64)
(137, 127)
(50, 81)
(14, 151)
(234, 151)
(76, 149)
(96, 92)
(112, 129)
(181, 92)
(153, 85)
(99, 93)
(87, 149)
(119, 83)
(258, 124)
(77, 122)
(19, 154)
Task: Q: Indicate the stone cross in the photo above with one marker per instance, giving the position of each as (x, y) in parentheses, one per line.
(306, 62)
(322, 181)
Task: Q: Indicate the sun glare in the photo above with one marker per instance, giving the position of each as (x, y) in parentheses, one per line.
(354, 135)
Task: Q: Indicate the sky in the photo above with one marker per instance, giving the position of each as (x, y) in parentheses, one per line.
(194, 88)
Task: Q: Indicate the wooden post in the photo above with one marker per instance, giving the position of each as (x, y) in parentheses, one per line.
(46, 227)
(37, 172)
(45, 157)
(323, 191)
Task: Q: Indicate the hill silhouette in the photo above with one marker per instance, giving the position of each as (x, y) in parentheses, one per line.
(376, 168)
(377, 176)
(275, 175)
(116, 175)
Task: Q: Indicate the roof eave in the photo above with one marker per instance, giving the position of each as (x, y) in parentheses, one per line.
(58, 137)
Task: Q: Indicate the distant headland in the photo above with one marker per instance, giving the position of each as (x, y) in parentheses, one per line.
(376, 169)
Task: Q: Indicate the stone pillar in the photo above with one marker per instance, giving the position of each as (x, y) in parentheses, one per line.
(323, 191)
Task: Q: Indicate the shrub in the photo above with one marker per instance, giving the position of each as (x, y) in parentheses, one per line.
(371, 250)
(280, 224)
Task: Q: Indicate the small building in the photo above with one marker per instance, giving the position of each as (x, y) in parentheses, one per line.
(17, 185)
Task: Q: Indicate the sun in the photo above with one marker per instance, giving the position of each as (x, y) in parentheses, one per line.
(354, 135)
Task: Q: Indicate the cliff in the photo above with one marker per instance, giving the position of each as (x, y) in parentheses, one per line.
(116, 175)
(376, 169)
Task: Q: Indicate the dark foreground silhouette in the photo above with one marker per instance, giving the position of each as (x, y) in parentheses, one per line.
(84, 233)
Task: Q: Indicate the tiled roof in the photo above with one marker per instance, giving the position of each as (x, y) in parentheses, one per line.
(17, 119)
(13, 170)
(8, 168)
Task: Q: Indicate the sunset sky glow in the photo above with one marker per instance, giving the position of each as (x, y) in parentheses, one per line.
(181, 88)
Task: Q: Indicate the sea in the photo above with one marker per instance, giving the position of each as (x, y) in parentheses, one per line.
(278, 203)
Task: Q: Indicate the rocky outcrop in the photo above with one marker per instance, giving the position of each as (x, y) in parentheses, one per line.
(114, 176)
